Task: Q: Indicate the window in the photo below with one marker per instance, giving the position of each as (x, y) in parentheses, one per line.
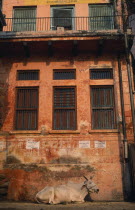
(26, 108)
(101, 74)
(101, 17)
(102, 101)
(24, 19)
(28, 75)
(61, 74)
(1, 4)
(62, 17)
(64, 108)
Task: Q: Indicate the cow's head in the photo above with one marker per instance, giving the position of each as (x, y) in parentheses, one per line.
(90, 185)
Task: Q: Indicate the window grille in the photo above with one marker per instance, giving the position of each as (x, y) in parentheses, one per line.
(64, 74)
(101, 17)
(24, 19)
(26, 108)
(103, 114)
(64, 108)
(62, 17)
(28, 75)
(101, 74)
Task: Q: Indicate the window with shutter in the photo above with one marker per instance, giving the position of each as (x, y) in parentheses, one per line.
(62, 17)
(64, 117)
(26, 108)
(101, 17)
(24, 19)
(102, 101)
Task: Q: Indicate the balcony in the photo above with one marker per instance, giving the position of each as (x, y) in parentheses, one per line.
(71, 24)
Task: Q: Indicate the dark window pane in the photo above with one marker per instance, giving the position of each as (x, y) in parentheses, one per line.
(64, 109)
(64, 74)
(26, 120)
(27, 75)
(103, 119)
(64, 119)
(103, 115)
(62, 17)
(26, 108)
(101, 74)
(101, 17)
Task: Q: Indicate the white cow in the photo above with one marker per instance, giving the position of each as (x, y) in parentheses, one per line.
(71, 192)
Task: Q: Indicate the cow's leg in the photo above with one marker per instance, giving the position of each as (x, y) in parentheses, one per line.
(51, 196)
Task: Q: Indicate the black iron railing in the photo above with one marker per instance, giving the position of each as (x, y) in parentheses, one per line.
(70, 23)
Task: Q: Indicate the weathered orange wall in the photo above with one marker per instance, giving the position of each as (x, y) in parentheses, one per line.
(59, 150)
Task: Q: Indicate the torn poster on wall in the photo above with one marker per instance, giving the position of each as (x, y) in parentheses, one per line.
(2, 145)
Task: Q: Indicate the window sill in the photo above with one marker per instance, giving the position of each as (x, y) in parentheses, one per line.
(104, 131)
(64, 132)
(25, 132)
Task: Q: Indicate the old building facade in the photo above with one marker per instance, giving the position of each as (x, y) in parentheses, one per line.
(66, 109)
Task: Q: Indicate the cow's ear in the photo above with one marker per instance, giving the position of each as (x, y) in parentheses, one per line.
(91, 177)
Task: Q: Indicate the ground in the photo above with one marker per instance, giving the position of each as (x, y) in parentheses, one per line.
(85, 206)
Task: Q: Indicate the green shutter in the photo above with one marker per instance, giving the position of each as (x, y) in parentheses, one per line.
(24, 19)
(101, 17)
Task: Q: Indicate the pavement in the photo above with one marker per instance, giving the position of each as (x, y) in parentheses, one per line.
(6, 205)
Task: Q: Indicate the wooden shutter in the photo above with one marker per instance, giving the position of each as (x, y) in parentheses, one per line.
(101, 17)
(103, 115)
(62, 17)
(26, 108)
(64, 108)
(24, 19)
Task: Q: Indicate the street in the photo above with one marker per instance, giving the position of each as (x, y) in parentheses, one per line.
(86, 206)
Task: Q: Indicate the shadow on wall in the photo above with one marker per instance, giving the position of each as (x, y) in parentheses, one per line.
(3, 101)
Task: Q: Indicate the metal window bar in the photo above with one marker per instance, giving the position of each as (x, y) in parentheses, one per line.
(64, 74)
(26, 109)
(28, 75)
(64, 109)
(103, 114)
(101, 73)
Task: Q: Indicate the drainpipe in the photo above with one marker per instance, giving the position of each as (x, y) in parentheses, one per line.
(128, 68)
(130, 82)
(122, 110)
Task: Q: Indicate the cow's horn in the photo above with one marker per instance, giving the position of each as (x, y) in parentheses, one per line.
(85, 178)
